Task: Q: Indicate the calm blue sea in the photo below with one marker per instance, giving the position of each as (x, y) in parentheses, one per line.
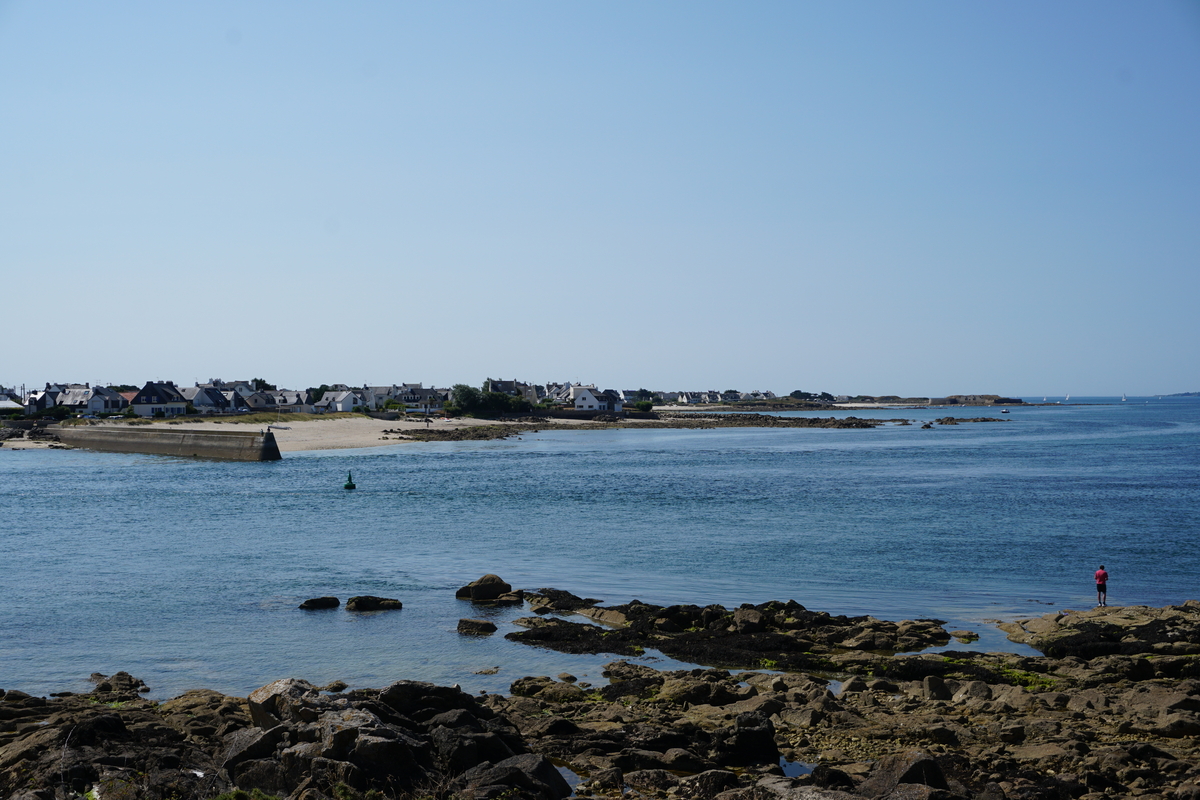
(187, 573)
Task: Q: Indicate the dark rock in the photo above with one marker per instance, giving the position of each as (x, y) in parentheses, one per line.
(916, 767)
(122, 684)
(611, 778)
(251, 744)
(552, 726)
(750, 741)
(544, 600)
(489, 587)
(476, 627)
(530, 772)
(288, 700)
(651, 780)
(266, 775)
(829, 777)
(320, 602)
(372, 603)
(707, 785)
(934, 688)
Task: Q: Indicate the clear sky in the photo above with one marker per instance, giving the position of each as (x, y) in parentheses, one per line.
(911, 198)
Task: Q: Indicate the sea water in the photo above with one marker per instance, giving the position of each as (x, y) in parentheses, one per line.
(188, 573)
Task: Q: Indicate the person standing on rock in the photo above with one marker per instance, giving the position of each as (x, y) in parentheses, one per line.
(1101, 587)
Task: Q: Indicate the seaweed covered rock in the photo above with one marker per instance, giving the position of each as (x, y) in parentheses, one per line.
(783, 635)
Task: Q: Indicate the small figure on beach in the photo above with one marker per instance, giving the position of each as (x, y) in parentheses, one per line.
(1101, 587)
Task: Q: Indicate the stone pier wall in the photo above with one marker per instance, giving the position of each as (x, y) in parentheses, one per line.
(226, 445)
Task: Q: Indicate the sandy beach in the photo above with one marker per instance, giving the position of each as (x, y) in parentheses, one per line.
(335, 434)
(347, 432)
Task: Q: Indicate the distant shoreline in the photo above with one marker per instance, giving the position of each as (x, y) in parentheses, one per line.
(354, 432)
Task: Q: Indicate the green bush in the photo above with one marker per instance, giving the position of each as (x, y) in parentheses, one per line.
(53, 412)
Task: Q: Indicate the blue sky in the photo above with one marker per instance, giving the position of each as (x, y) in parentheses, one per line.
(911, 198)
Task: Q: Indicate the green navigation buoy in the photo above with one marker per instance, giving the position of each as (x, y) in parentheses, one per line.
(349, 481)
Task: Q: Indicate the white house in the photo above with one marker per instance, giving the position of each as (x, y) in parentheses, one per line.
(588, 398)
(337, 401)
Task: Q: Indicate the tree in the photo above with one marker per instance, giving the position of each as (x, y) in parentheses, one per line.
(644, 405)
(53, 412)
(466, 398)
(319, 392)
(799, 395)
(261, 385)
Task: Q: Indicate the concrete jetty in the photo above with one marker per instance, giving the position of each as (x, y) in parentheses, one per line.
(225, 445)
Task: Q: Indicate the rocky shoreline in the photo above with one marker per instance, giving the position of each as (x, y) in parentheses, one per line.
(688, 420)
(362, 431)
(792, 704)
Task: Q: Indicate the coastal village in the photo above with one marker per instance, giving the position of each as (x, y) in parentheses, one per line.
(159, 399)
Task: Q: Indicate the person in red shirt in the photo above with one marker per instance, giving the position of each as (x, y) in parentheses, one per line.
(1102, 587)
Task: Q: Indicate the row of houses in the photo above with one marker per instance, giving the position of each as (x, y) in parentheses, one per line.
(695, 398)
(165, 398)
(565, 393)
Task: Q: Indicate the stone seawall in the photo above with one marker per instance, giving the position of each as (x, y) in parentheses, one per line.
(226, 445)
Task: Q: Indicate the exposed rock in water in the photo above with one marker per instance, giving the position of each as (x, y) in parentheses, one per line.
(476, 627)
(776, 634)
(544, 600)
(372, 603)
(943, 725)
(1112, 630)
(487, 588)
(319, 603)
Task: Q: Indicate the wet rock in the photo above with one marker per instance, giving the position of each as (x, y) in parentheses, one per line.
(476, 627)
(779, 635)
(120, 684)
(317, 603)
(372, 603)
(545, 600)
(487, 588)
